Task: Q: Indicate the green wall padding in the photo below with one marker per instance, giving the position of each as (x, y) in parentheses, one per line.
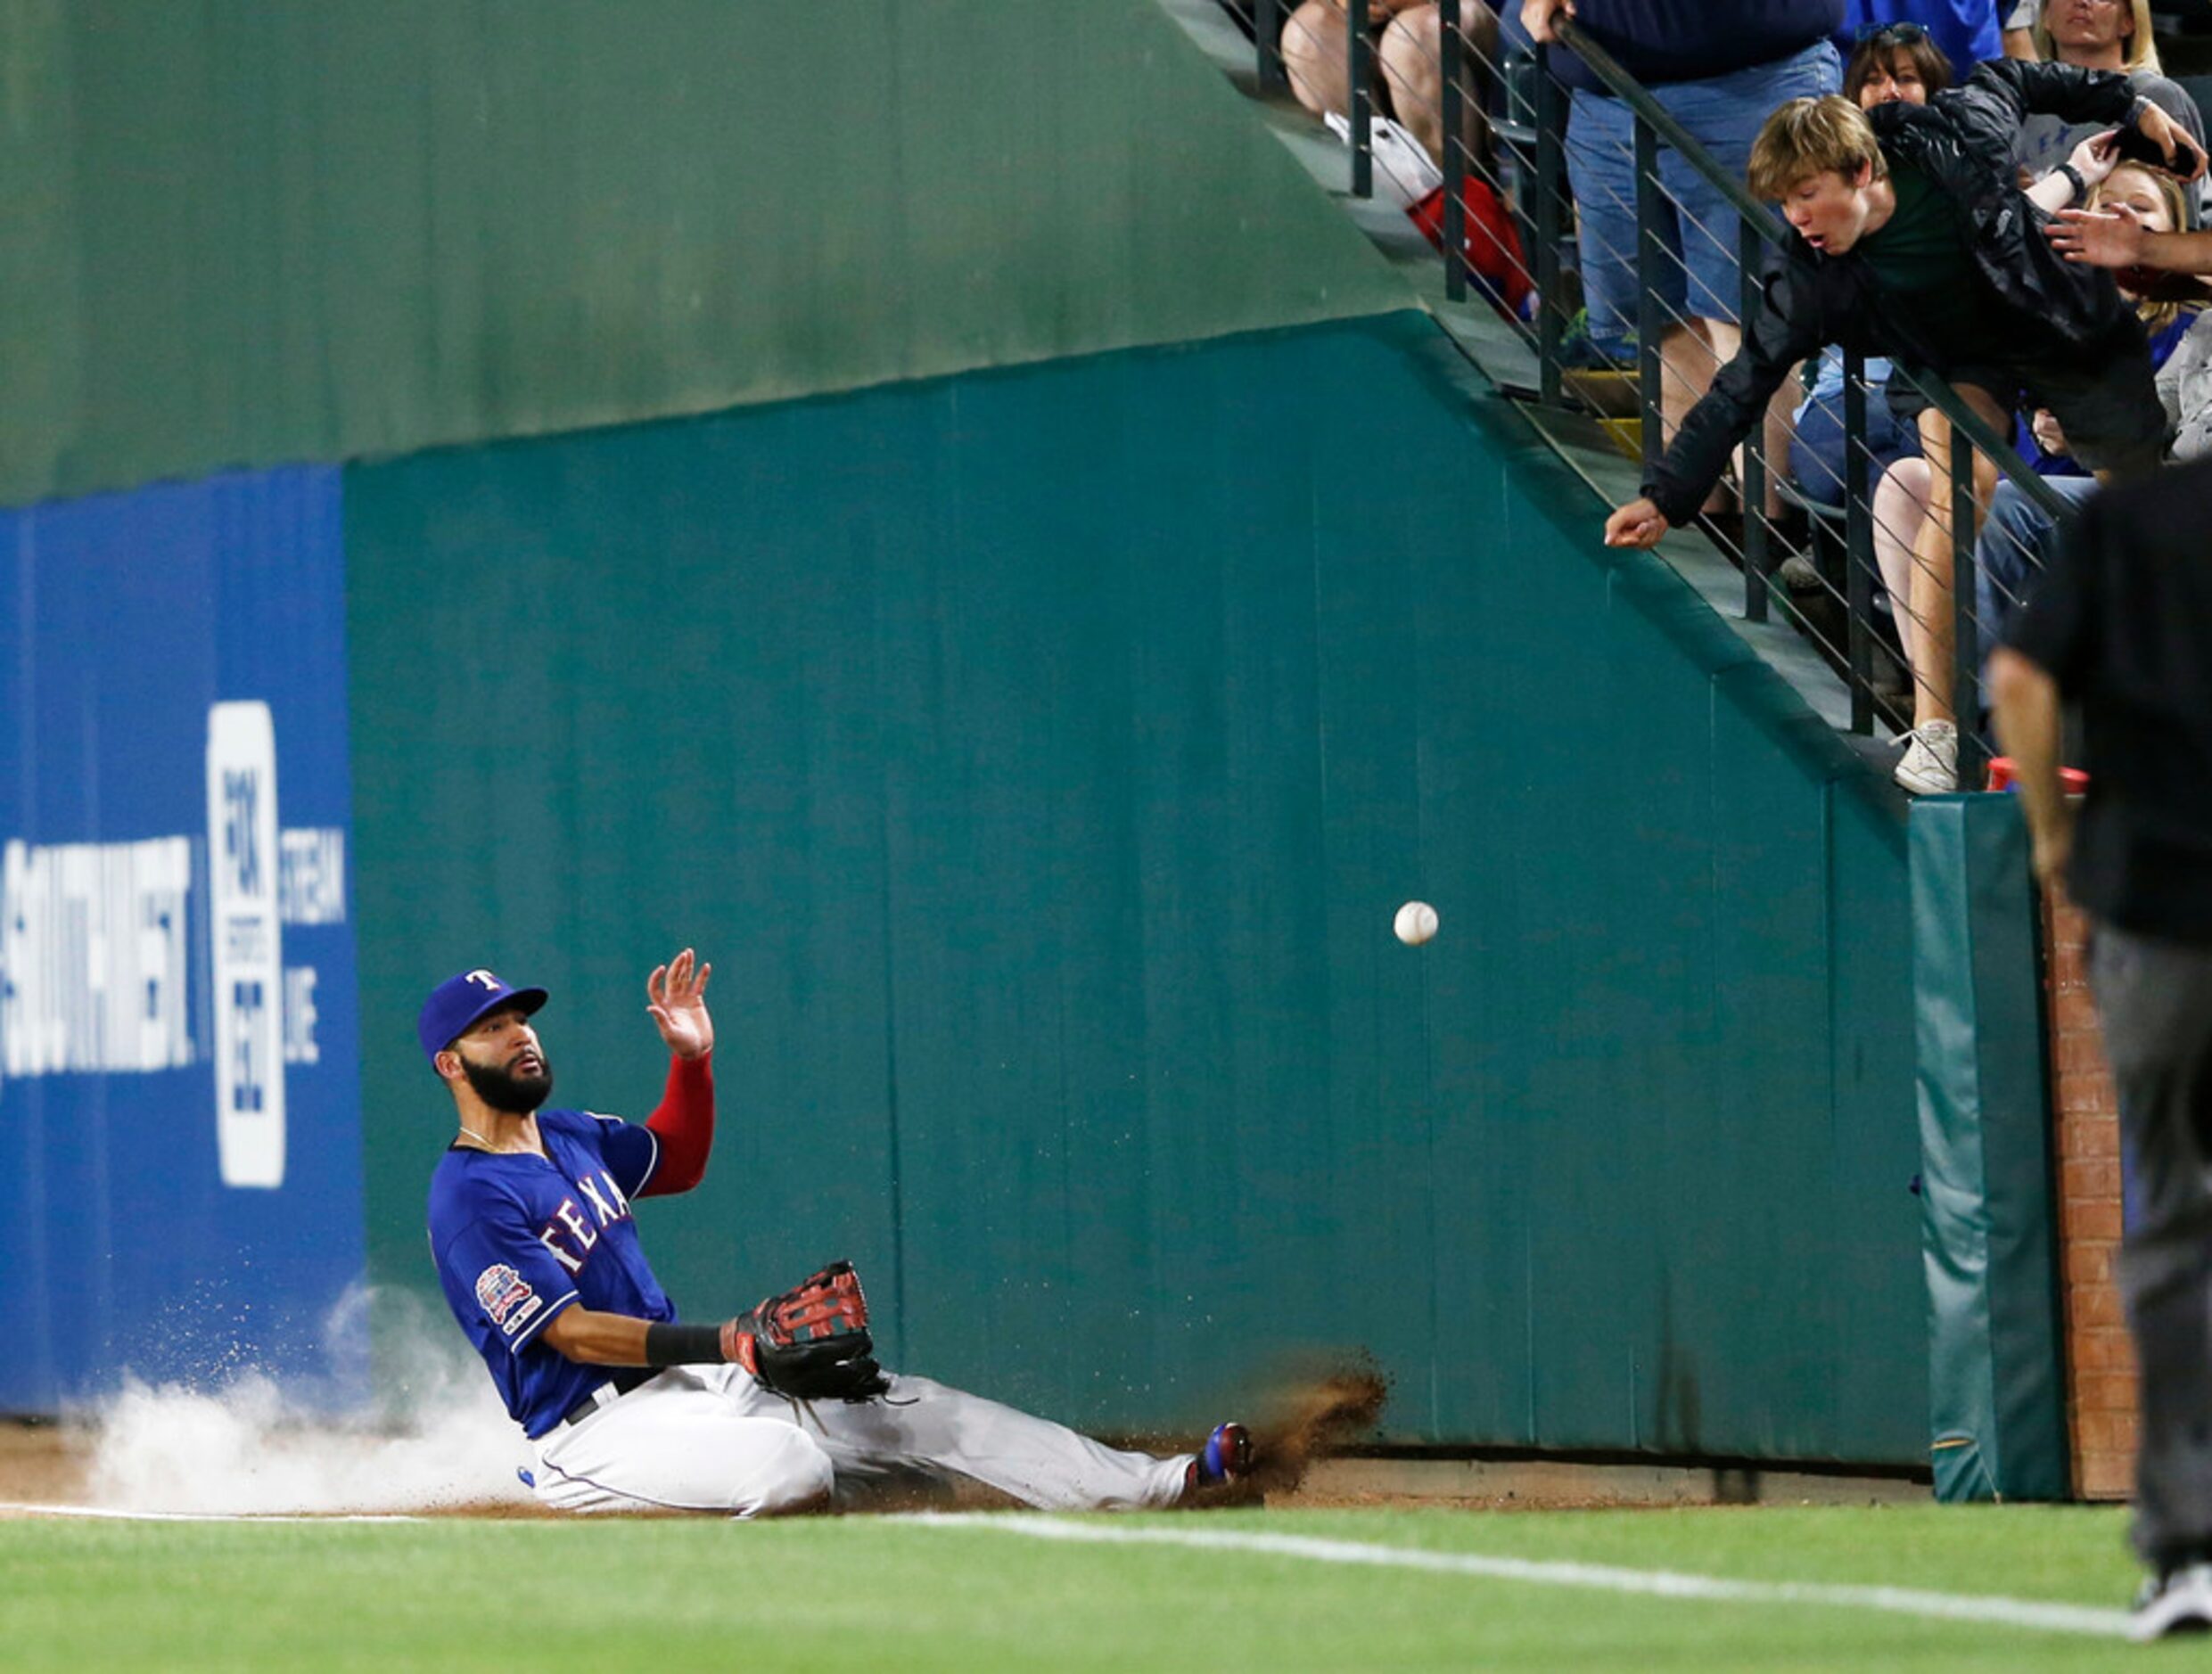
(1040, 757)
(240, 232)
(1996, 1374)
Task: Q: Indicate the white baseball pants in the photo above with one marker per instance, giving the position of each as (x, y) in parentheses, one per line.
(711, 1438)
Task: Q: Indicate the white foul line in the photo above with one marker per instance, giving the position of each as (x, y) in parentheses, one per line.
(1904, 1601)
(2011, 1612)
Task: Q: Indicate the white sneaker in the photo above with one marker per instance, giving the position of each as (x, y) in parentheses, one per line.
(1403, 172)
(2176, 1603)
(1930, 763)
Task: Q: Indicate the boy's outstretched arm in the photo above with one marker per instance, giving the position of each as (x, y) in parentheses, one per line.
(1784, 330)
(2029, 87)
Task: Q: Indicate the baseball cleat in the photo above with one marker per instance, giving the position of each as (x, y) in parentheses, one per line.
(1224, 1460)
(2176, 1602)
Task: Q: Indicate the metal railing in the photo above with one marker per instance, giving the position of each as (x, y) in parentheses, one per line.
(1527, 169)
(1971, 434)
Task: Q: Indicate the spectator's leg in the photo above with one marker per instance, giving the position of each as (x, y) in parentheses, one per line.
(1929, 586)
(1932, 567)
(1689, 356)
(1313, 57)
(1900, 508)
(1707, 247)
(1719, 341)
(1778, 430)
(1724, 114)
(1817, 452)
(1412, 62)
(2009, 554)
(1601, 173)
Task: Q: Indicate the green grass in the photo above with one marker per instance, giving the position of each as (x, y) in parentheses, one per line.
(882, 1595)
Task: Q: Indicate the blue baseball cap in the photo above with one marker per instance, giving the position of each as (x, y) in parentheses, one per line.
(457, 1002)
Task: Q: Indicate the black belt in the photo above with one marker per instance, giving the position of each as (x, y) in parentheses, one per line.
(620, 1384)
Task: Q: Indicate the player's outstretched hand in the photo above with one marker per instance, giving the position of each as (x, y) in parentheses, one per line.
(676, 999)
(1639, 523)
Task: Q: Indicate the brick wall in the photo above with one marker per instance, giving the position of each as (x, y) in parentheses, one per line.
(2100, 1363)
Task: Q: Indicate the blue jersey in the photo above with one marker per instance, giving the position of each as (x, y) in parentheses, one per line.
(518, 1237)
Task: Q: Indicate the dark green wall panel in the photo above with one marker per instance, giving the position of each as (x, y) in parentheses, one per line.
(1041, 755)
(1996, 1317)
(248, 231)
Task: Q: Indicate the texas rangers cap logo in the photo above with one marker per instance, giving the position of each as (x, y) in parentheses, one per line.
(457, 1002)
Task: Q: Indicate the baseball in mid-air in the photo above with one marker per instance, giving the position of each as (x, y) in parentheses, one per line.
(1416, 923)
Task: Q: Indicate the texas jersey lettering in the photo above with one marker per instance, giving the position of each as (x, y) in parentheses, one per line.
(519, 1237)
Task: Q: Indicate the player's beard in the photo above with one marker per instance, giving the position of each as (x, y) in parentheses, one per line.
(504, 1090)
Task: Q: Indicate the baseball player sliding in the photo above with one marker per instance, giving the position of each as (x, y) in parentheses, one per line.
(777, 1411)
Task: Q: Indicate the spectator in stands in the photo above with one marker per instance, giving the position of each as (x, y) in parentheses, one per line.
(1964, 31)
(1901, 499)
(2113, 35)
(1895, 63)
(1409, 58)
(2185, 389)
(1718, 67)
(1892, 63)
(2019, 29)
(2017, 539)
(1914, 242)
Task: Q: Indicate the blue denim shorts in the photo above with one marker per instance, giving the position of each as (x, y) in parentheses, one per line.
(1819, 456)
(1697, 275)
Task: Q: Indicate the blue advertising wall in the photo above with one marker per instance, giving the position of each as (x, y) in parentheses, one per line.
(179, 1102)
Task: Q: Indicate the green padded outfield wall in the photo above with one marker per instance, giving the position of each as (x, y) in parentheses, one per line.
(1041, 756)
(1995, 1317)
(246, 232)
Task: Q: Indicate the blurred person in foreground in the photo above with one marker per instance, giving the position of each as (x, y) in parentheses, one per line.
(2119, 625)
(1914, 240)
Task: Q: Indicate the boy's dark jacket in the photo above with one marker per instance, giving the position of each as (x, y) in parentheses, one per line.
(1962, 140)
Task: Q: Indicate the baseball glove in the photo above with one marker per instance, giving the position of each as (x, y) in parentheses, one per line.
(811, 1342)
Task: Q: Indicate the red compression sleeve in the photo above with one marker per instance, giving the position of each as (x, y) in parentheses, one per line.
(684, 1123)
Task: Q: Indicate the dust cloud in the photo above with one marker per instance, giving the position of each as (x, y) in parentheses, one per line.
(440, 1440)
